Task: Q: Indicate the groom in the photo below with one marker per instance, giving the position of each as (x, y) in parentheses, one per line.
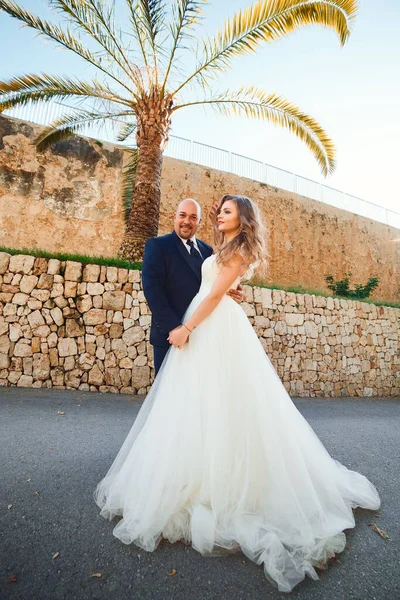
(171, 275)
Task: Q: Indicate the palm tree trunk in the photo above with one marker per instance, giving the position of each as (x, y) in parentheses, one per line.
(145, 207)
(154, 123)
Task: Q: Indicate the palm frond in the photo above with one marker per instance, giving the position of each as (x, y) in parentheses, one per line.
(267, 21)
(255, 103)
(126, 130)
(150, 16)
(36, 88)
(105, 19)
(73, 124)
(64, 37)
(98, 23)
(185, 15)
(128, 180)
(138, 30)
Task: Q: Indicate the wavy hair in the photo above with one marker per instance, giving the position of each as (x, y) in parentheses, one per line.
(249, 242)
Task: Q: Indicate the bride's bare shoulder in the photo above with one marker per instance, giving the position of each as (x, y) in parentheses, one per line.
(237, 262)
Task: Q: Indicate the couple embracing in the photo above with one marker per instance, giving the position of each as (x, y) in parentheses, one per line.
(172, 272)
(219, 457)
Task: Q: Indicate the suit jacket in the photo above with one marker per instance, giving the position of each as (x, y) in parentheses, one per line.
(171, 279)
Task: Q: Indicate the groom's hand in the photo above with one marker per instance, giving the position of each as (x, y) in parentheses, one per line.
(237, 294)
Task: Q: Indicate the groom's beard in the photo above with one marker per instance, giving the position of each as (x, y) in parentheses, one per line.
(186, 232)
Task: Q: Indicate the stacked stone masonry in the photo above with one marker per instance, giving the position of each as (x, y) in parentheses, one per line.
(68, 325)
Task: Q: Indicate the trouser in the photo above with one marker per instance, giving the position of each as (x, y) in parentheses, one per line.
(159, 355)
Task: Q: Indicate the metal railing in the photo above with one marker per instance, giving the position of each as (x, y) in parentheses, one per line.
(223, 160)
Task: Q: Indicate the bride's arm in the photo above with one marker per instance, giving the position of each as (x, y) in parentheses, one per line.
(228, 274)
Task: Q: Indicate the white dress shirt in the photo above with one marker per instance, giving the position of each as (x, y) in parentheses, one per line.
(194, 244)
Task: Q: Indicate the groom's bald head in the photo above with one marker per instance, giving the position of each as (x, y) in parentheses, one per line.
(187, 218)
(189, 204)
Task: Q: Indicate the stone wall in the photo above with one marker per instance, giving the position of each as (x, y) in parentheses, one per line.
(68, 198)
(68, 325)
(328, 346)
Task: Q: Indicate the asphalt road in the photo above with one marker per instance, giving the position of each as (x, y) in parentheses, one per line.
(50, 464)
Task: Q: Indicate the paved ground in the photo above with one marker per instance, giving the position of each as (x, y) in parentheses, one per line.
(51, 463)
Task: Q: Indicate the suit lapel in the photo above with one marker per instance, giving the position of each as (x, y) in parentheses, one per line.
(203, 249)
(185, 254)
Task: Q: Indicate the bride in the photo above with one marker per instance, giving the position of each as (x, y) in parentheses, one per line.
(218, 455)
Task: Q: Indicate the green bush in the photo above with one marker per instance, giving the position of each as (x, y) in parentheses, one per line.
(342, 287)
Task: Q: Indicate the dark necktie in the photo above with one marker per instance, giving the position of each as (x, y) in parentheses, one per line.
(193, 252)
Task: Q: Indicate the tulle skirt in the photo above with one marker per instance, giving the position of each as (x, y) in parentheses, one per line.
(220, 457)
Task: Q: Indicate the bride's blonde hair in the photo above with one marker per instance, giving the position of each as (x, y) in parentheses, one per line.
(249, 242)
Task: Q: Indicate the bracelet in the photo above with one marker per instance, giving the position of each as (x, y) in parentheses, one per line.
(190, 330)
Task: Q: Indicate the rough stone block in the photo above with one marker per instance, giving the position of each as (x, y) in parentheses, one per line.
(4, 262)
(20, 299)
(248, 309)
(21, 263)
(70, 288)
(114, 300)
(95, 316)
(73, 328)
(27, 283)
(73, 271)
(36, 319)
(84, 303)
(294, 319)
(133, 336)
(311, 329)
(25, 381)
(23, 348)
(140, 377)
(95, 289)
(95, 376)
(91, 273)
(67, 347)
(41, 367)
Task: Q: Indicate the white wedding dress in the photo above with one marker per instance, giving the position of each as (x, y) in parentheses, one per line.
(220, 457)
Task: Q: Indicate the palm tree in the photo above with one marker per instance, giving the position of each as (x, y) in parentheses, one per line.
(142, 84)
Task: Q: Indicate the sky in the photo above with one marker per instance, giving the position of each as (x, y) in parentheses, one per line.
(353, 91)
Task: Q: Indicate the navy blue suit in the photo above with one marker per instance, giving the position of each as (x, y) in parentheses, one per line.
(171, 279)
